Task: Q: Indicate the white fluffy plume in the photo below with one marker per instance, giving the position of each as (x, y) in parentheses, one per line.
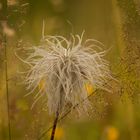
(65, 66)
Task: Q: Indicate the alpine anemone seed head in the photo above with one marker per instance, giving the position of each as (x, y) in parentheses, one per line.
(65, 66)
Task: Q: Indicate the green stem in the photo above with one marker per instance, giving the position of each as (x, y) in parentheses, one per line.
(3, 18)
(7, 90)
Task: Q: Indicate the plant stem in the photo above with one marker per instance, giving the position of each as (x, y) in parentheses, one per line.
(7, 90)
(3, 18)
(54, 125)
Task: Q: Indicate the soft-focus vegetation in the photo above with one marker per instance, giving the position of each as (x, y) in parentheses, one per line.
(116, 23)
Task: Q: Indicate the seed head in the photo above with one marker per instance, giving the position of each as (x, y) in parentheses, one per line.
(66, 66)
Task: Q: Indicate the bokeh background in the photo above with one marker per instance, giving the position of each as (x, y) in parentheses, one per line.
(116, 23)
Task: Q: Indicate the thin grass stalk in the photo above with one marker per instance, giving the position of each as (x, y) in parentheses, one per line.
(7, 90)
(4, 18)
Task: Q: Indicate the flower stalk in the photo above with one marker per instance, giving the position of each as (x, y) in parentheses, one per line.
(3, 19)
(54, 125)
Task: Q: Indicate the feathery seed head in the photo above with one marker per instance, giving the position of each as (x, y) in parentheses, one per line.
(66, 66)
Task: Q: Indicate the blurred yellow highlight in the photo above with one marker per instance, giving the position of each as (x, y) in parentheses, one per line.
(112, 133)
(59, 133)
(89, 88)
(41, 85)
